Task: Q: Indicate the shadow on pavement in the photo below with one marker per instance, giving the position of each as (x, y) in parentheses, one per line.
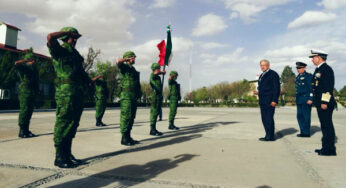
(183, 135)
(314, 129)
(284, 132)
(129, 175)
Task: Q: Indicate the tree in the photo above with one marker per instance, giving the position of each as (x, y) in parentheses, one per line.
(111, 76)
(145, 88)
(288, 79)
(8, 76)
(240, 88)
(342, 93)
(90, 59)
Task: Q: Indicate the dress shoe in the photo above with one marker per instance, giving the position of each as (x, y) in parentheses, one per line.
(303, 135)
(64, 163)
(318, 150)
(267, 139)
(100, 124)
(155, 132)
(327, 153)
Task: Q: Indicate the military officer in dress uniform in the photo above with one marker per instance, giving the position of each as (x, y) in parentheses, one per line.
(303, 99)
(323, 99)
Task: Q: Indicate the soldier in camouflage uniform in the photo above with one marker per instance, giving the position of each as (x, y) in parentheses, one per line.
(101, 92)
(70, 82)
(174, 97)
(155, 97)
(130, 93)
(27, 89)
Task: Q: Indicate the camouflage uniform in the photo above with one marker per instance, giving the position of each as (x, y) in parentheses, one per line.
(27, 89)
(130, 93)
(174, 97)
(70, 83)
(101, 93)
(155, 99)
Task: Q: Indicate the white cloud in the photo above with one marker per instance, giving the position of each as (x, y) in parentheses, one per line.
(99, 21)
(209, 24)
(162, 3)
(212, 45)
(332, 4)
(235, 57)
(248, 9)
(311, 18)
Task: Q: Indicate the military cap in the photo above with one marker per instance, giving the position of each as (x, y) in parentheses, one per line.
(155, 66)
(318, 53)
(300, 64)
(129, 54)
(172, 73)
(68, 29)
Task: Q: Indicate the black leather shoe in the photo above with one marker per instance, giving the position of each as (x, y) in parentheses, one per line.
(134, 141)
(155, 133)
(318, 150)
(303, 135)
(99, 124)
(266, 139)
(327, 153)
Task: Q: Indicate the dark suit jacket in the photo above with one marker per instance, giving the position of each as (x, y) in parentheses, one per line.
(269, 87)
(323, 81)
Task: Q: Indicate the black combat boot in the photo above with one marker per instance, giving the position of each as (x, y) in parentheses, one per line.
(154, 132)
(21, 133)
(132, 140)
(71, 157)
(98, 123)
(61, 160)
(126, 140)
(172, 126)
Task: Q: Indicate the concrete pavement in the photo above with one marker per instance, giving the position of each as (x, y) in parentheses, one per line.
(215, 147)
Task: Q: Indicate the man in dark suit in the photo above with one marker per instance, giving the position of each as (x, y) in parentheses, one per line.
(303, 99)
(268, 93)
(323, 99)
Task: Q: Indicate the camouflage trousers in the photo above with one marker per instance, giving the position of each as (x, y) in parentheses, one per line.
(155, 107)
(69, 108)
(127, 115)
(100, 105)
(173, 105)
(26, 104)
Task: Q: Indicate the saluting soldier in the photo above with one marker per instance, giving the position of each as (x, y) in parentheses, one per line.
(174, 97)
(101, 92)
(130, 93)
(323, 98)
(27, 89)
(71, 81)
(303, 99)
(156, 97)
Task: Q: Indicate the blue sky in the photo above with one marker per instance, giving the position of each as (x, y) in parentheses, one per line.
(227, 37)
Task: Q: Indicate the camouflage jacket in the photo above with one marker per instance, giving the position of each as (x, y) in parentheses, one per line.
(156, 86)
(68, 66)
(130, 82)
(28, 76)
(101, 90)
(174, 90)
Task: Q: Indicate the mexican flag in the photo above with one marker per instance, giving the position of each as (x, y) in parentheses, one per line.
(165, 49)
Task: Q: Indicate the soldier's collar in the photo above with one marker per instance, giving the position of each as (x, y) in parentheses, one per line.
(67, 46)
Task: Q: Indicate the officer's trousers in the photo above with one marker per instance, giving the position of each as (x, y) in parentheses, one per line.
(304, 118)
(267, 114)
(327, 128)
